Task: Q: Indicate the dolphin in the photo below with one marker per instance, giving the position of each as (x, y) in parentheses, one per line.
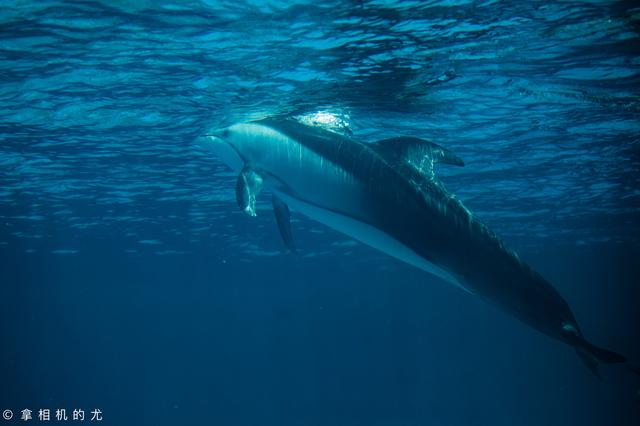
(386, 195)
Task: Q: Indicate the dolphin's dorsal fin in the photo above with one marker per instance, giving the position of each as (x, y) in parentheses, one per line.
(415, 152)
(283, 219)
(248, 187)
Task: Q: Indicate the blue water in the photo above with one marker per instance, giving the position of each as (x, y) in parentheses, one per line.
(131, 282)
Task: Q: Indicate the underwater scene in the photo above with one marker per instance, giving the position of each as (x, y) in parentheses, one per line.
(336, 213)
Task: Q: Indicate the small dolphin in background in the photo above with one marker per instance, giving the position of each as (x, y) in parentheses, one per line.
(386, 195)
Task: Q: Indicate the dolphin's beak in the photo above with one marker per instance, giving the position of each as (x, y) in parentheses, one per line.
(217, 143)
(215, 136)
(211, 137)
(208, 141)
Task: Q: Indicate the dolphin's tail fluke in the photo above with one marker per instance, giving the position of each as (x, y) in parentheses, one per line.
(592, 355)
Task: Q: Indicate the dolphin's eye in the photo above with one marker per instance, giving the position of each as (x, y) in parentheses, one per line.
(225, 133)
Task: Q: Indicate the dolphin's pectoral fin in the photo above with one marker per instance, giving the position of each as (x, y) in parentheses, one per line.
(415, 152)
(248, 187)
(283, 218)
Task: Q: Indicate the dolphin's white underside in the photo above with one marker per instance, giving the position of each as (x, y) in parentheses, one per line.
(368, 235)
